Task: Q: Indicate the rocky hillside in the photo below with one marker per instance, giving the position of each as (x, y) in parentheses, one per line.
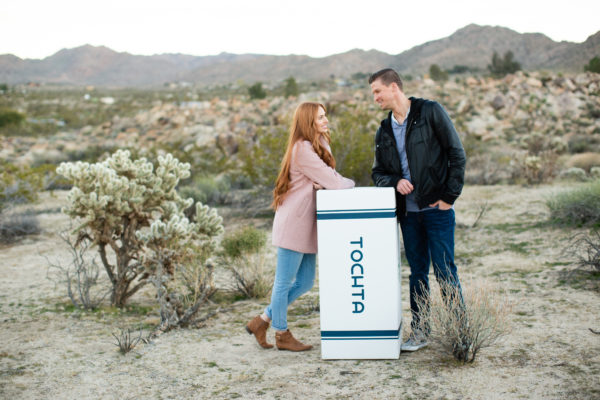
(471, 46)
(549, 121)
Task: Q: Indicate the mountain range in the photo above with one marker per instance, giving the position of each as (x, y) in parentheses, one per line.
(471, 46)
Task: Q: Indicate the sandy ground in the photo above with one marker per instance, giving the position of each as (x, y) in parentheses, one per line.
(49, 351)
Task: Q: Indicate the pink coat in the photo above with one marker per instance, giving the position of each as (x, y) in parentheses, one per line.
(295, 223)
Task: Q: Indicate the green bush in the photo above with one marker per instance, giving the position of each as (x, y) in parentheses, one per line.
(256, 91)
(205, 160)
(593, 65)
(207, 190)
(353, 139)
(19, 184)
(578, 207)
(10, 118)
(503, 66)
(243, 254)
(14, 226)
(437, 74)
(244, 241)
(291, 87)
(260, 159)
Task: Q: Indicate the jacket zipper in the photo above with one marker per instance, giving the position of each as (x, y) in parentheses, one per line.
(408, 126)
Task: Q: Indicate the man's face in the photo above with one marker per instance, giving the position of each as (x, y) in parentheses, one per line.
(383, 95)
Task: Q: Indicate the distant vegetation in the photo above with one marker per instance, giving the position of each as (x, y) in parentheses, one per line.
(291, 87)
(10, 118)
(437, 74)
(593, 65)
(578, 207)
(256, 91)
(502, 66)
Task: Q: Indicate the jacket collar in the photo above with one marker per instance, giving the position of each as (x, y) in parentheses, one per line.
(416, 104)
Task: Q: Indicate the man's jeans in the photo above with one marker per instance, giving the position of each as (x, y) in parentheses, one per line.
(428, 237)
(294, 276)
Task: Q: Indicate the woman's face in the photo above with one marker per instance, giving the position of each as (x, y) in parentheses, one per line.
(322, 121)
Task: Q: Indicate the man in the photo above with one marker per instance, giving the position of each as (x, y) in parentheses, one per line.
(418, 151)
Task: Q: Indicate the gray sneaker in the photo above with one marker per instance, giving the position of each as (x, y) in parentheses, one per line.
(415, 341)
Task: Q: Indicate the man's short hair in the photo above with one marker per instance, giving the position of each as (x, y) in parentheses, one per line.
(387, 76)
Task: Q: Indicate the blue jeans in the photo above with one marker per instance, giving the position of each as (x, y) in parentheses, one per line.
(294, 276)
(429, 237)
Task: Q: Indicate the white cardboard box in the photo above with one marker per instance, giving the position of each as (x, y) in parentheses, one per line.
(359, 274)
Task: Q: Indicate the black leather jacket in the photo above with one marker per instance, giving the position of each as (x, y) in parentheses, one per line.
(436, 157)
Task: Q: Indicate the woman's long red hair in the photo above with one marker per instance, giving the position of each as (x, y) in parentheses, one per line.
(304, 127)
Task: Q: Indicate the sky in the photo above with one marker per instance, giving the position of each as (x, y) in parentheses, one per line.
(39, 28)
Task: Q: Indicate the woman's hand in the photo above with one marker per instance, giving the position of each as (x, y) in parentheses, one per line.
(316, 186)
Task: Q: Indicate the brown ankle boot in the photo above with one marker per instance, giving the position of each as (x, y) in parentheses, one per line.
(258, 327)
(285, 341)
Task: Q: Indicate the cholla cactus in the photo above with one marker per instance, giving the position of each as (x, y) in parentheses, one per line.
(118, 199)
(178, 251)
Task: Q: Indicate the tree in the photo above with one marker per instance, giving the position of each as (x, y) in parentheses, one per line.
(256, 91)
(437, 74)
(503, 66)
(10, 117)
(593, 65)
(134, 216)
(291, 87)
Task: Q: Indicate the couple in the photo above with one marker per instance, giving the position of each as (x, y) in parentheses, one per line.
(417, 151)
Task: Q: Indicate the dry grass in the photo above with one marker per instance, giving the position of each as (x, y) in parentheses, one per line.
(463, 324)
(584, 161)
(16, 225)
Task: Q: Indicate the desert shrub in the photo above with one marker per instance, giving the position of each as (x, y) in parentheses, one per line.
(593, 65)
(291, 87)
(462, 325)
(501, 66)
(179, 251)
(581, 143)
(91, 153)
(243, 253)
(10, 118)
(125, 341)
(256, 91)
(18, 184)
(487, 168)
(260, 157)
(586, 250)
(584, 161)
(461, 69)
(81, 276)
(207, 190)
(595, 172)
(574, 174)
(352, 143)
(576, 207)
(16, 225)
(437, 74)
(534, 169)
(117, 200)
(204, 160)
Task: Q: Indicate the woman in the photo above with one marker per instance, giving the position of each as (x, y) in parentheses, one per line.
(307, 166)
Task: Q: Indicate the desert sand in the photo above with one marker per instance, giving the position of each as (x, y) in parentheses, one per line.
(50, 351)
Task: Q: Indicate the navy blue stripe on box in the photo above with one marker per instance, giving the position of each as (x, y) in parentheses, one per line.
(356, 214)
(360, 335)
